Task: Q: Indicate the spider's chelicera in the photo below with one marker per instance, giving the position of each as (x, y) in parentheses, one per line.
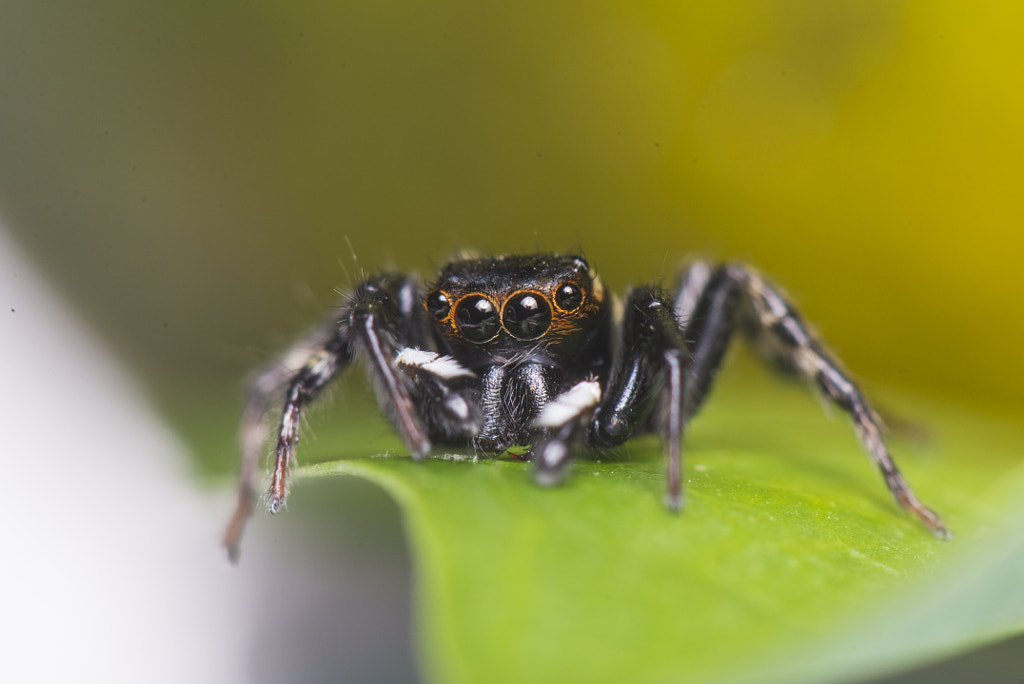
(531, 351)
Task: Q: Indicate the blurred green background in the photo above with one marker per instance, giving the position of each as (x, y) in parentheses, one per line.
(189, 173)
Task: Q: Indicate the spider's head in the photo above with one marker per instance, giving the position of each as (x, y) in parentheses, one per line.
(504, 306)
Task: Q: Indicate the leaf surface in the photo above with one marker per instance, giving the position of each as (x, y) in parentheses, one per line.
(789, 563)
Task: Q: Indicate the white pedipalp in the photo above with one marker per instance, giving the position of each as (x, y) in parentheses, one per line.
(458, 406)
(569, 405)
(444, 367)
(554, 453)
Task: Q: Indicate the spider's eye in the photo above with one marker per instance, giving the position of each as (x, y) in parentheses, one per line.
(527, 316)
(568, 297)
(477, 319)
(438, 305)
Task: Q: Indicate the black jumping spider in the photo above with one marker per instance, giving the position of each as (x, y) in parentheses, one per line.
(531, 350)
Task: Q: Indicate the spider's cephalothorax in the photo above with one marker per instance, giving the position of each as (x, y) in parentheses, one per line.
(526, 327)
(498, 311)
(524, 351)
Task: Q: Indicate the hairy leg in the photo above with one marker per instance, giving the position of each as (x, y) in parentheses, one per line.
(712, 303)
(253, 431)
(374, 320)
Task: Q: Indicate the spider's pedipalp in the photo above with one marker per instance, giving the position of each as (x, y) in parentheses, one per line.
(561, 419)
(433, 378)
(579, 400)
(444, 367)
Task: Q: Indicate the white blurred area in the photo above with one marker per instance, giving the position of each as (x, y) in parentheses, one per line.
(111, 567)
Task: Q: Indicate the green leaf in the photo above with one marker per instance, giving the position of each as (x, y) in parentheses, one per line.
(789, 563)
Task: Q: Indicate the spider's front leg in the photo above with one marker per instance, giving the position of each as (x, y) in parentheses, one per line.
(378, 318)
(263, 392)
(647, 375)
(713, 302)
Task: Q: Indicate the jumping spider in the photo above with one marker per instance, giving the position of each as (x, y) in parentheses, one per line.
(531, 350)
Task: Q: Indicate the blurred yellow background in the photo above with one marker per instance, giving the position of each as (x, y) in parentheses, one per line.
(189, 173)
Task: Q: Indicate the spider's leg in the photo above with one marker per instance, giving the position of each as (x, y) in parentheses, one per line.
(647, 375)
(375, 324)
(370, 323)
(371, 320)
(733, 296)
(304, 387)
(706, 308)
(253, 431)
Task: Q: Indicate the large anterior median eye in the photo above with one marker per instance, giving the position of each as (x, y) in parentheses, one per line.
(477, 318)
(527, 315)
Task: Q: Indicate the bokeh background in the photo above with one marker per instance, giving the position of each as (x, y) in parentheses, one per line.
(195, 177)
(189, 172)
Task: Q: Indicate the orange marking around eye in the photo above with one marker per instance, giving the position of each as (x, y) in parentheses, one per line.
(563, 323)
(539, 295)
(451, 328)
